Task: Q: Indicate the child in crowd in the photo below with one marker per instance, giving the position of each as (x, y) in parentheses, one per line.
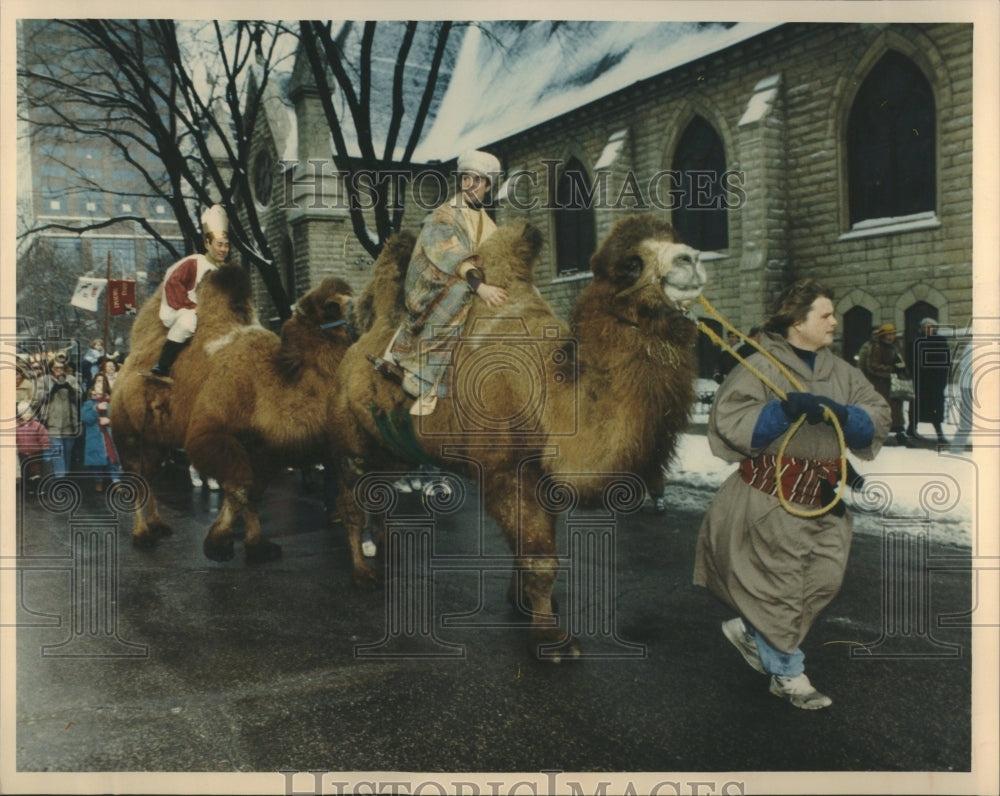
(33, 447)
(99, 453)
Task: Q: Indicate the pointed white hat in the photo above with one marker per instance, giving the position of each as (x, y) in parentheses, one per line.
(215, 221)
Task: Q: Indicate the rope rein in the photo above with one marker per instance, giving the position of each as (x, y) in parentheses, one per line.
(827, 412)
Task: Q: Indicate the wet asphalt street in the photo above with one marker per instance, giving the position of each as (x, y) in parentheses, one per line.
(163, 661)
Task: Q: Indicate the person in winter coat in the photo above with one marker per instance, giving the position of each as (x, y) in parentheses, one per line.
(61, 414)
(33, 446)
(878, 359)
(91, 364)
(99, 453)
(775, 568)
(931, 372)
(179, 304)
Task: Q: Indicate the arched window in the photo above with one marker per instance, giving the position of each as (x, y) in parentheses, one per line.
(699, 212)
(890, 142)
(575, 232)
(857, 331)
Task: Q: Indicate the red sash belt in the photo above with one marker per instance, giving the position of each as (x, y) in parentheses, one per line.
(800, 478)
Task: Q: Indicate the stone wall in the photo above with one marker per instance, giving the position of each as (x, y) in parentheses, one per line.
(780, 102)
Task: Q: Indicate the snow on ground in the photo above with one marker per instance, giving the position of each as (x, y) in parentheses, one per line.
(917, 490)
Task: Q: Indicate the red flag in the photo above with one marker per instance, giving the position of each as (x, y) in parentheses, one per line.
(121, 296)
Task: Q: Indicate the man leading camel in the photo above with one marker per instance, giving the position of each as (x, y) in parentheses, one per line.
(444, 274)
(179, 305)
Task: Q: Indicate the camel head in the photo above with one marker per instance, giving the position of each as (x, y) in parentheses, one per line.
(323, 310)
(643, 253)
(318, 326)
(326, 306)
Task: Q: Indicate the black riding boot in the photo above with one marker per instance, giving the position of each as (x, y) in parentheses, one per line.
(167, 358)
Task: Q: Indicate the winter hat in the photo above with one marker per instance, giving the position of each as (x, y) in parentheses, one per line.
(482, 163)
(886, 330)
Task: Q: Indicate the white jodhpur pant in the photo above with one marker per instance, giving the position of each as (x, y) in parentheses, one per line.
(180, 323)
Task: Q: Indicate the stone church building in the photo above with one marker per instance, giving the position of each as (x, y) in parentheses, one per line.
(840, 151)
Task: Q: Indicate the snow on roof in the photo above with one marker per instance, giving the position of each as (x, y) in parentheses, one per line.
(525, 73)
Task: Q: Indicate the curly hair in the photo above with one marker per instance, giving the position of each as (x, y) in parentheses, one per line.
(793, 305)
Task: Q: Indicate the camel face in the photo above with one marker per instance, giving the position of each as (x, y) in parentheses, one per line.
(676, 268)
(643, 254)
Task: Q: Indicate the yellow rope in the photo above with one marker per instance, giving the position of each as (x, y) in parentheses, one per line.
(827, 412)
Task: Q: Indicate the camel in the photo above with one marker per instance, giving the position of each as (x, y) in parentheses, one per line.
(242, 403)
(533, 397)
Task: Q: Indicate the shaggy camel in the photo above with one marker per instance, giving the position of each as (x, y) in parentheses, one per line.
(534, 400)
(242, 403)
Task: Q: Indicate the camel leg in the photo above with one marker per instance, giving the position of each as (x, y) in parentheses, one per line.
(147, 524)
(530, 532)
(218, 543)
(353, 517)
(218, 453)
(258, 549)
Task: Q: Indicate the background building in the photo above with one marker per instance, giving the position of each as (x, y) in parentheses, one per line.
(837, 151)
(841, 151)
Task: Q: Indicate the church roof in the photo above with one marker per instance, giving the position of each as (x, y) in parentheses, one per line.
(516, 75)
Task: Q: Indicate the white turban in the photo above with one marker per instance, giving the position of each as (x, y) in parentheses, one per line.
(481, 163)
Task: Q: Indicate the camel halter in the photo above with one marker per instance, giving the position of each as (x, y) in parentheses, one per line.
(827, 412)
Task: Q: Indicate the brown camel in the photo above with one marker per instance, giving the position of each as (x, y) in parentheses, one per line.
(532, 400)
(242, 403)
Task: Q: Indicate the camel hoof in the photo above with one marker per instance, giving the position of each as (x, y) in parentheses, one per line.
(144, 541)
(557, 650)
(216, 550)
(262, 552)
(159, 529)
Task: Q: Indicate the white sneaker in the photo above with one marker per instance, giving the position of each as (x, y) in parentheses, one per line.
(736, 632)
(439, 487)
(402, 485)
(195, 477)
(368, 547)
(213, 484)
(799, 691)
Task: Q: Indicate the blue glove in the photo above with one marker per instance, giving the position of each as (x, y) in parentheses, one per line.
(838, 409)
(803, 403)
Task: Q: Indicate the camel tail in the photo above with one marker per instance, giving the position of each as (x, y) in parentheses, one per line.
(383, 297)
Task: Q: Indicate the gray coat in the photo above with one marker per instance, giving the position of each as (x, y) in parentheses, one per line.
(778, 570)
(61, 407)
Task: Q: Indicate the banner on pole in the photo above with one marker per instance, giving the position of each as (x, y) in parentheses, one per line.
(121, 296)
(88, 290)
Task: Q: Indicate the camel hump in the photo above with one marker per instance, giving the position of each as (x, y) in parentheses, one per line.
(227, 292)
(383, 296)
(511, 253)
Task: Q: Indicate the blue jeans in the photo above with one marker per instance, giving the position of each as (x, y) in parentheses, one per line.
(783, 664)
(62, 455)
